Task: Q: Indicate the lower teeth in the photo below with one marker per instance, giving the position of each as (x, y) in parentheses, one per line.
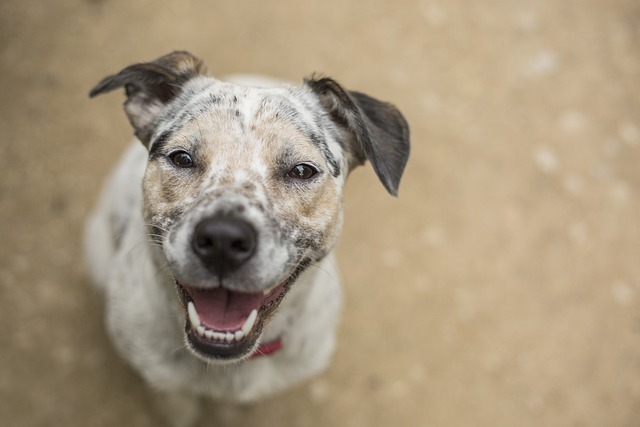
(221, 336)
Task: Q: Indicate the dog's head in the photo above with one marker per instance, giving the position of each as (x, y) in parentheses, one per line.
(243, 187)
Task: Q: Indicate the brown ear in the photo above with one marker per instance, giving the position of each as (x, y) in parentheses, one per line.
(150, 86)
(376, 130)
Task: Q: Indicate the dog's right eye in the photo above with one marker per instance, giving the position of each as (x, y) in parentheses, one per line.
(181, 159)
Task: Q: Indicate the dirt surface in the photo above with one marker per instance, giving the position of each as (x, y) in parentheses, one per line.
(502, 288)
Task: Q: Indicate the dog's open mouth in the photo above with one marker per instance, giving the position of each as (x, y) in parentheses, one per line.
(223, 324)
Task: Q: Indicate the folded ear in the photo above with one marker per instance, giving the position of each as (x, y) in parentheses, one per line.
(150, 86)
(375, 130)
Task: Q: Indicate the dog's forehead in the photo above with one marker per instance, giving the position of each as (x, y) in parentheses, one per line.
(206, 95)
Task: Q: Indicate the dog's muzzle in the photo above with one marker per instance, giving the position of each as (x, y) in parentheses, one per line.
(223, 323)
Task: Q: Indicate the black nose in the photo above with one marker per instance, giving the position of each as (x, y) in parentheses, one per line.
(224, 243)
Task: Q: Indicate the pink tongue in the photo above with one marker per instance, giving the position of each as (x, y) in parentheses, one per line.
(223, 310)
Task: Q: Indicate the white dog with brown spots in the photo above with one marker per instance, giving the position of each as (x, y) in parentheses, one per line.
(212, 240)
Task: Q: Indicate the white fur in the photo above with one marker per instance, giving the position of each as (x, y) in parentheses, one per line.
(145, 319)
(141, 308)
(247, 140)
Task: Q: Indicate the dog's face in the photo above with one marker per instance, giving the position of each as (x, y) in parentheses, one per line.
(244, 185)
(243, 188)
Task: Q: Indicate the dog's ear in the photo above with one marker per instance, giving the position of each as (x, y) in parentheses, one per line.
(150, 86)
(375, 130)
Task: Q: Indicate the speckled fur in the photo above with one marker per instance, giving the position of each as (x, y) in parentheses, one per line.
(244, 139)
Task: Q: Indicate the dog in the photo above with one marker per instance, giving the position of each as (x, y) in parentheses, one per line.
(212, 240)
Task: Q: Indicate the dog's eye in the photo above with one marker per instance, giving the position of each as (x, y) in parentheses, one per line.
(182, 159)
(302, 171)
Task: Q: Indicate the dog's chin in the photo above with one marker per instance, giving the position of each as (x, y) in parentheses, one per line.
(226, 326)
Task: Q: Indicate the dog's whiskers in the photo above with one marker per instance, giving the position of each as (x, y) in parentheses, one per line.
(183, 347)
(142, 245)
(324, 270)
(151, 239)
(156, 226)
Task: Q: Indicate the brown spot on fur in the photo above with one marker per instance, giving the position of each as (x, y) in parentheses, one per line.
(249, 187)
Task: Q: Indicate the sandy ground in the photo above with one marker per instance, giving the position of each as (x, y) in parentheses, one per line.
(501, 289)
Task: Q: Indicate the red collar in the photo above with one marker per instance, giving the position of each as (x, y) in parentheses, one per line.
(268, 348)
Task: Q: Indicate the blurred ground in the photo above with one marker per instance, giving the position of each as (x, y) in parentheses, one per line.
(502, 288)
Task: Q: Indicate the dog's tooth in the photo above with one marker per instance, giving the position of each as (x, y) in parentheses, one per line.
(228, 337)
(251, 320)
(219, 336)
(194, 318)
(200, 329)
(209, 334)
(239, 335)
(266, 292)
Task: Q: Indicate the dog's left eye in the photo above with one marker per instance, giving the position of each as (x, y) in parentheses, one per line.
(182, 159)
(302, 171)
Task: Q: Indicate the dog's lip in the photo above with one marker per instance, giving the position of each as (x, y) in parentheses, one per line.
(238, 349)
